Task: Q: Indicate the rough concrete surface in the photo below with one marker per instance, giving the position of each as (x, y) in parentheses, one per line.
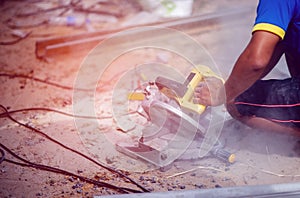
(261, 157)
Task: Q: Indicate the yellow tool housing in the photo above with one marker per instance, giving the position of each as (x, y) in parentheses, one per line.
(184, 93)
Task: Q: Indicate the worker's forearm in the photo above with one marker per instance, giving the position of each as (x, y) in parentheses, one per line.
(242, 77)
(257, 59)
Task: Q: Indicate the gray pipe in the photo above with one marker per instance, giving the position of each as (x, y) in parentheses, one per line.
(291, 190)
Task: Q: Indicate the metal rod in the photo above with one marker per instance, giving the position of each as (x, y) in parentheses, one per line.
(87, 41)
(291, 190)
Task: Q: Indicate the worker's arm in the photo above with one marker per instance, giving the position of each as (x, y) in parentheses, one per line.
(252, 63)
(259, 57)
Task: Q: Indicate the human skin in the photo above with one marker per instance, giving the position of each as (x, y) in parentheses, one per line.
(258, 59)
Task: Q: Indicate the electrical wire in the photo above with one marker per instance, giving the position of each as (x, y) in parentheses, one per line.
(43, 81)
(42, 11)
(73, 5)
(15, 26)
(60, 171)
(61, 112)
(56, 84)
(16, 40)
(43, 22)
(2, 155)
(7, 115)
(56, 111)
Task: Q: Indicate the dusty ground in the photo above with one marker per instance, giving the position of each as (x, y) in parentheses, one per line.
(261, 158)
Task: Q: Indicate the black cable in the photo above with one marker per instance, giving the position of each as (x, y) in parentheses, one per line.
(14, 26)
(72, 150)
(43, 81)
(42, 11)
(102, 12)
(16, 40)
(60, 112)
(60, 171)
(2, 155)
(56, 111)
(43, 22)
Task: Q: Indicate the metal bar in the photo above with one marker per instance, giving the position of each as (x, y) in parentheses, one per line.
(291, 190)
(85, 42)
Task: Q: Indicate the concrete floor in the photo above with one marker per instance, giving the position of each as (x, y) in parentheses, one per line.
(261, 157)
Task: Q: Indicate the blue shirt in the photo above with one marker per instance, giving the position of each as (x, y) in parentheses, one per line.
(281, 17)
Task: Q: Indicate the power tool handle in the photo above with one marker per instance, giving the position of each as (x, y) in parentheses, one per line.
(225, 155)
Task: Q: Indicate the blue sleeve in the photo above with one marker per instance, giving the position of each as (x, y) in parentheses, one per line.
(274, 15)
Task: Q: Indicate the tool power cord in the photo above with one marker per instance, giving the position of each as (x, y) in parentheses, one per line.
(60, 171)
(7, 115)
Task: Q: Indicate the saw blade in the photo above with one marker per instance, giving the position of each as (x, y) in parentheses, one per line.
(179, 113)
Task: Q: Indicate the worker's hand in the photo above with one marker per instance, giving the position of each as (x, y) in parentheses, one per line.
(210, 92)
